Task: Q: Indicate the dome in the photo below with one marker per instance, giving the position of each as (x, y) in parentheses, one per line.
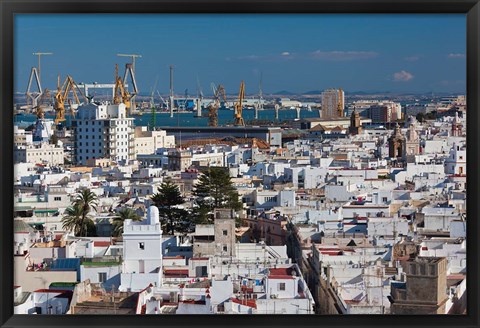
(153, 215)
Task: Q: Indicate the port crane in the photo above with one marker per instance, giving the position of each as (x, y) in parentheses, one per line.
(39, 109)
(239, 106)
(164, 102)
(62, 95)
(120, 93)
(340, 106)
(34, 95)
(218, 94)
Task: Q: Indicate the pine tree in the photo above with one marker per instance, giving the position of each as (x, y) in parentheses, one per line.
(166, 199)
(215, 190)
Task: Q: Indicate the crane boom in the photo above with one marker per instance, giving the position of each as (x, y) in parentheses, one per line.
(62, 95)
(219, 94)
(239, 106)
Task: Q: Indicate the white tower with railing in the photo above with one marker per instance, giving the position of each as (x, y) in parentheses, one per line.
(142, 252)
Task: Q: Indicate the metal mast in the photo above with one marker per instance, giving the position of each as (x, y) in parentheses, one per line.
(199, 99)
(259, 105)
(171, 91)
(39, 54)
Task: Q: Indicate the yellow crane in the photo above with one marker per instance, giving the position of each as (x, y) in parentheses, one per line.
(239, 106)
(39, 109)
(340, 106)
(62, 95)
(121, 94)
(218, 95)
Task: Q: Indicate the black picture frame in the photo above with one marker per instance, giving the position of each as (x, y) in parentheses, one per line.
(471, 8)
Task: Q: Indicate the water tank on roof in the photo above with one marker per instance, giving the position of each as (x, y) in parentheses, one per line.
(153, 215)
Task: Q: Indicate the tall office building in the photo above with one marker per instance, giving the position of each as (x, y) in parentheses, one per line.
(103, 131)
(333, 103)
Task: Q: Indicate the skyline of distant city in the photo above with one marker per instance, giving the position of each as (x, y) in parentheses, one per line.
(295, 53)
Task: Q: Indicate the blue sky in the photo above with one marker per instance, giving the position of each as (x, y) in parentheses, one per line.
(299, 53)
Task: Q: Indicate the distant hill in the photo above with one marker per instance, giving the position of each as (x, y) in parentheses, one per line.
(284, 92)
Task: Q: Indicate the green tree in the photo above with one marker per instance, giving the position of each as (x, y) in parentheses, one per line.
(54, 139)
(74, 221)
(215, 190)
(420, 117)
(122, 215)
(86, 200)
(167, 198)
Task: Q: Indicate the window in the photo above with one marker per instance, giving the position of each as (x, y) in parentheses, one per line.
(102, 277)
(225, 232)
(281, 286)
(413, 268)
(423, 269)
(57, 198)
(225, 248)
(141, 245)
(384, 199)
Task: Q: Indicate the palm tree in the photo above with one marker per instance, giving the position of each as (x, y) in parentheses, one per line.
(122, 215)
(72, 219)
(86, 200)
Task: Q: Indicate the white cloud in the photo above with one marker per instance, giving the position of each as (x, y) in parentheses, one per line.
(456, 56)
(343, 55)
(285, 53)
(402, 76)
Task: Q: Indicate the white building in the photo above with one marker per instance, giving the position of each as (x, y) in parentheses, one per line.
(43, 130)
(142, 253)
(456, 163)
(41, 153)
(21, 137)
(147, 142)
(103, 131)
